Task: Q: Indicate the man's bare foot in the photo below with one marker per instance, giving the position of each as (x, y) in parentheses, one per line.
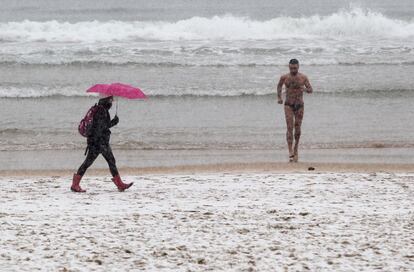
(295, 158)
(291, 158)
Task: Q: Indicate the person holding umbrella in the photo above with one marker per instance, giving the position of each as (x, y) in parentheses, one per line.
(96, 127)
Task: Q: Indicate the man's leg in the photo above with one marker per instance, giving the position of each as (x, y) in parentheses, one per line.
(298, 124)
(289, 126)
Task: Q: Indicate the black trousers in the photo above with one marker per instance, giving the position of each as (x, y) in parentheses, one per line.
(93, 153)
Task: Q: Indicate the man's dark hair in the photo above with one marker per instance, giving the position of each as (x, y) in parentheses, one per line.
(293, 61)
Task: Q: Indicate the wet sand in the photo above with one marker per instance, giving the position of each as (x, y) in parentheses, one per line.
(301, 167)
(237, 221)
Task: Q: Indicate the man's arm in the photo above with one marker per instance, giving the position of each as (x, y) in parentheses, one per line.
(308, 86)
(279, 89)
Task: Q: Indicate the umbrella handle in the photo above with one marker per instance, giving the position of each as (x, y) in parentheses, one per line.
(116, 108)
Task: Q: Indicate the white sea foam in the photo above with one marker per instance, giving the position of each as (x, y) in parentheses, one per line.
(354, 37)
(36, 92)
(77, 91)
(350, 23)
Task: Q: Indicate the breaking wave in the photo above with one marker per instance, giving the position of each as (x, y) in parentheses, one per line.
(79, 91)
(213, 63)
(350, 23)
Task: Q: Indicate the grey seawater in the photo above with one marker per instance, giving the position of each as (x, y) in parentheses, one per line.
(210, 69)
(169, 131)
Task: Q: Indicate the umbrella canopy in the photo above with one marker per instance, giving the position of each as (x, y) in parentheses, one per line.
(117, 89)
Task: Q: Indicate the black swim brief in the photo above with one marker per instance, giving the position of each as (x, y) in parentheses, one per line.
(295, 107)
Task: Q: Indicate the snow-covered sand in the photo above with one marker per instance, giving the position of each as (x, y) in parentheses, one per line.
(210, 222)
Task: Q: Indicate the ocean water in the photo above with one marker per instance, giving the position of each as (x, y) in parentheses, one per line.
(210, 70)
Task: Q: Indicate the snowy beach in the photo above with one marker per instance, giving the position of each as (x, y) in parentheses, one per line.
(207, 151)
(210, 222)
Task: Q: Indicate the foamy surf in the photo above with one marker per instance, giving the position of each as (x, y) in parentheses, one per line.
(342, 24)
(346, 37)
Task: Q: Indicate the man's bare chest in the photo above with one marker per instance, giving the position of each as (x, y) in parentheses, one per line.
(294, 82)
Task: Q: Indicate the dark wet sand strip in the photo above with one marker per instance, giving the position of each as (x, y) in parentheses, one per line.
(231, 167)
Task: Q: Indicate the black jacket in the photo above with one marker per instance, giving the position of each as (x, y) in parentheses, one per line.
(100, 133)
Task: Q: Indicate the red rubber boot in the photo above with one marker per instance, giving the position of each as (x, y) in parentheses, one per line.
(75, 184)
(121, 186)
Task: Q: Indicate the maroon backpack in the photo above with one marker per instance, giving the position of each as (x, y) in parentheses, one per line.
(86, 123)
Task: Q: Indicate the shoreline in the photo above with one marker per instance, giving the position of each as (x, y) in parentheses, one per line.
(267, 167)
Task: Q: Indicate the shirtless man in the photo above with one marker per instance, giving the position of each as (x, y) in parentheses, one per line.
(295, 83)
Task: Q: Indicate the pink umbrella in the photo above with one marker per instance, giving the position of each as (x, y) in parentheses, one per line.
(118, 90)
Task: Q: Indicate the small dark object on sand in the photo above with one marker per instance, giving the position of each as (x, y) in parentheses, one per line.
(311, 168)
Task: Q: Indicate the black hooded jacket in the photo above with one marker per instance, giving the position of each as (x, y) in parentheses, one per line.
(100, 132)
